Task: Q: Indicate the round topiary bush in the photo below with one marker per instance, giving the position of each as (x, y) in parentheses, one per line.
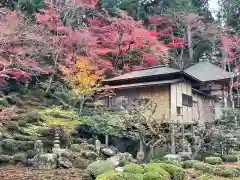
(130, 176)
(189, 164)
(154, 167)
(30, 154)
(133, 168)
(76, 148)
(230, 158)
(176, 172)
(153, 176)
(4, 159)
(213, 160)
(226, 171)
(20, 158)
(210, 177)
(112, 175)
(99, 167)
(204, 167)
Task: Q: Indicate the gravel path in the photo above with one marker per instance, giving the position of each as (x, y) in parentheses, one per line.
(24, 173)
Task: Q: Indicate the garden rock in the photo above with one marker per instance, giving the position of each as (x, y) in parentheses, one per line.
(119, 169)
(47, 161)
(64, 163)
(108, 152)
(81, 163)
(173, 158)
(185, 155)
(91, 155)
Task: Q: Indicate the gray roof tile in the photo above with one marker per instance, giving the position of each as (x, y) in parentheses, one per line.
(206, 71)
(145, 73)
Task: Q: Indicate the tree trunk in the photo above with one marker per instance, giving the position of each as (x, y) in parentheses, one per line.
(150, 154)
(173, 146)
(82, 100)
(106, 140)
(189, 38)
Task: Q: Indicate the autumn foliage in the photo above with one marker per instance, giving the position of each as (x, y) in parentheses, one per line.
(20, 48)
(82, 77)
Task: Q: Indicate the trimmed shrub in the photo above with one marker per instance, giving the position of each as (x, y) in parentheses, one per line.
(12, 146)
(204, 167)
(176, 173)
(30, 154)
(164, 160)
(112, 175)
(20, 157)
(211, 177)
(11, 125)
(130, 176)
(154, 167)
(226, 171)
(22, 122)
(76, 148)
(230, 158)
(213, 160)
(193, 173)
(4, 159)
(99, 167)
(133, 168)
(189, 164)
(152, 176)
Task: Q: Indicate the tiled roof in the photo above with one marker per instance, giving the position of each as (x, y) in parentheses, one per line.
(145, 73)
(206, 71)
(202, 71)
(154, 83)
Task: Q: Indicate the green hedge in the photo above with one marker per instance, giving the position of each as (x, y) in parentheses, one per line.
(155, 167)
(226, 171)
(4, 159)
(211, 177)
(176, 173)
(133, 168)
(20, 158)
(99, 167)
(213, 160)
(153, 176)
(204, 167)
(189, 164)
(217, 170)
(230, 158)
(112, 175)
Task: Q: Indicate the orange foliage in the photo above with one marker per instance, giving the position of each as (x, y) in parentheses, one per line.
(82, 77)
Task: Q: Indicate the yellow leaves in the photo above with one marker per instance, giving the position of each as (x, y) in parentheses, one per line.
(82, 78)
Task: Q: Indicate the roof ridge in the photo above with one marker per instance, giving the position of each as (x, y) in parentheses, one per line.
(153, 67)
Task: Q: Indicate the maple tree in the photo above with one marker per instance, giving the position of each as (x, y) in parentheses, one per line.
(21, 47)
(109, 42)
(82, 77)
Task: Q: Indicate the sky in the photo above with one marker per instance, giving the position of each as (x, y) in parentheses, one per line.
(213, 6)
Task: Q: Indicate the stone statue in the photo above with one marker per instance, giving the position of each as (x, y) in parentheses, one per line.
(38, 147)
(56, 143)
(98, 146)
